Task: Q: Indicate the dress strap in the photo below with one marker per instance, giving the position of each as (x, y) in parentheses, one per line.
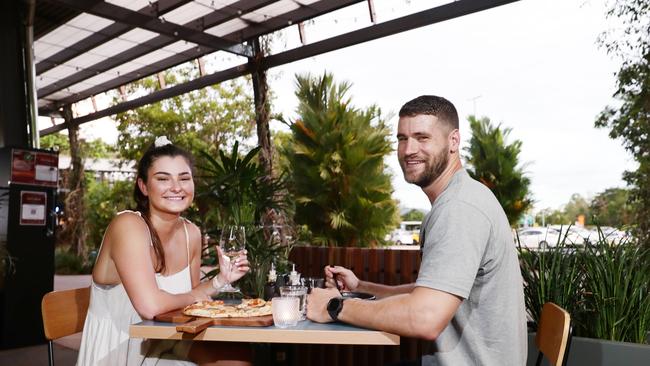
(187, 241)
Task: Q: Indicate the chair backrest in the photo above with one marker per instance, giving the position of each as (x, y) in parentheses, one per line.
(553, 334)
(64, 312)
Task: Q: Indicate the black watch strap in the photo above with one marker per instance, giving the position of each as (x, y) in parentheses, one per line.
(334, 307)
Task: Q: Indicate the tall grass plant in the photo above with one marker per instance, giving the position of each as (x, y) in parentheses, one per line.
(605, 286)
(617, 303)
(552, 274)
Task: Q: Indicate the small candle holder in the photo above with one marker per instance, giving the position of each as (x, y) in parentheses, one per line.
(299, 292)
(286, 311)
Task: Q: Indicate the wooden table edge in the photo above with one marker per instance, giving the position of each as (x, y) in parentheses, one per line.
(286, 335)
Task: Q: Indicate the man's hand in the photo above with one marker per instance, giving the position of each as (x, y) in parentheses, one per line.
(317, 304)
(347, 280)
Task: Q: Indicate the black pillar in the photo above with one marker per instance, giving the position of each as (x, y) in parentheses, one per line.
(14, 103)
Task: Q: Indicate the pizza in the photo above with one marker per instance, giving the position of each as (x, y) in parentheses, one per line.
(217, 309)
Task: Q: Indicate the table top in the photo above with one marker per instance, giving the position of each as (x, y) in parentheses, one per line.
(306, 332)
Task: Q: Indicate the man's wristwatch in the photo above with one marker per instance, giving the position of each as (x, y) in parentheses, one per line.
(334, 307)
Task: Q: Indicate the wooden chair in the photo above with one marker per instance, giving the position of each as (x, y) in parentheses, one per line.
(553, 335)
(64, 313)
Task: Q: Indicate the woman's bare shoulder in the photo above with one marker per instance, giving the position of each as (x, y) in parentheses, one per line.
(127, 223)
(127, 219)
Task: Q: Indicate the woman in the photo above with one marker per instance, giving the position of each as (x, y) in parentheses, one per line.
(148, 264)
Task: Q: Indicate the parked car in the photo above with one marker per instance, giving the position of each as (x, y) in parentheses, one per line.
(538, 237)
(613, 235)
(575, 235)
(414, 228)
(402, 237)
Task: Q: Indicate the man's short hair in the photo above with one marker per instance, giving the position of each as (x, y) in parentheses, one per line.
(433, 106)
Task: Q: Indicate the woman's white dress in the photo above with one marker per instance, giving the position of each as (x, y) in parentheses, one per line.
(105, 339)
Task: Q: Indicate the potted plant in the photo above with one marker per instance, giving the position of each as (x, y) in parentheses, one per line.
(235, 190)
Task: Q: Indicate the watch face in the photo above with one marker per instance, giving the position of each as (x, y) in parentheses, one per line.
(334, 307)
(333, 304)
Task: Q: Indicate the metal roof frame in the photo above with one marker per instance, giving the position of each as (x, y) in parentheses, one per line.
(153, 23)
(210, 20)
(242, 37)
(104, 35)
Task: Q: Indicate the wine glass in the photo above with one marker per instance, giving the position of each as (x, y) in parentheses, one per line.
(233, 241)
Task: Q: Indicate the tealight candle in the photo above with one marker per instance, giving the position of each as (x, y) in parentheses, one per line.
(286, 311)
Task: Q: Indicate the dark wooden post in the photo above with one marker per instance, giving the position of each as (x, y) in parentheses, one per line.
(262, 107)
(15, 127)
(74, 231)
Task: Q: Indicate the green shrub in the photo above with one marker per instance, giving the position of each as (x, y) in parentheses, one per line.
(103, 201)
(265, 245)
(235, 189)
(617, 300)
(552, 274)
(68, 263)
(604, 286)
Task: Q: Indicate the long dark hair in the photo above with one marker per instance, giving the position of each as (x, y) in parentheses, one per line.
(142, 201)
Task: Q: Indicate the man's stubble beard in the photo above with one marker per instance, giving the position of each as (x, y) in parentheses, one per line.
(433, 169)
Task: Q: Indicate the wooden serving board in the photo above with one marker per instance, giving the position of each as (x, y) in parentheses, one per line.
(199, 324)
(174, 316)
(195, 325)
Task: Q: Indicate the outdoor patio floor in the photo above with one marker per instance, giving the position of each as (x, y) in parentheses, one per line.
(65, 349)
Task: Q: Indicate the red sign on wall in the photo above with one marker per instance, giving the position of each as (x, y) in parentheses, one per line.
(37, 168)
(33, 208)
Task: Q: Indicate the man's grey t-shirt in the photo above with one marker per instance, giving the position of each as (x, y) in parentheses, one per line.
(469, 251)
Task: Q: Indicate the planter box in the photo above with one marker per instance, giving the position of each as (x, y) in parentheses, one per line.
(598, 352)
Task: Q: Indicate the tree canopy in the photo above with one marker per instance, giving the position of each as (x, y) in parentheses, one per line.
(629, 119)
(201, 120)
(413, 215)
(612, 208)
(341, 188)
(495, 162)
(93, 149)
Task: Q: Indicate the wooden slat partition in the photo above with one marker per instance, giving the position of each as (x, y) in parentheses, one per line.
(392, 267)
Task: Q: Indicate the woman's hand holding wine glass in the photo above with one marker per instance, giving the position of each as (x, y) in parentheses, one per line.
(233, 263)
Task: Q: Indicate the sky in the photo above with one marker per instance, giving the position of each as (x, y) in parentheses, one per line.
(533, 66)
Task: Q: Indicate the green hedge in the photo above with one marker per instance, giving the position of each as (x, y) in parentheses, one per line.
(604, 286)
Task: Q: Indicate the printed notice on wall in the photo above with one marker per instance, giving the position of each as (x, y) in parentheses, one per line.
(34, 167)
(33, 207)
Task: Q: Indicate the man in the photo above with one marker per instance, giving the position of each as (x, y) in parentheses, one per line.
(468, 297)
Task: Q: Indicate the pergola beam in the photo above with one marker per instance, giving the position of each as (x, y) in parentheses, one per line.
(102, 36)
(156, 96)
(426, 17)
(210, 20)
(408, 22)
(213, 19)
(154, 24)
(293, 17)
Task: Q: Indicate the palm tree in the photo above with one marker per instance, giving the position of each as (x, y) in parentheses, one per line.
(336, 157)
(495, 163)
